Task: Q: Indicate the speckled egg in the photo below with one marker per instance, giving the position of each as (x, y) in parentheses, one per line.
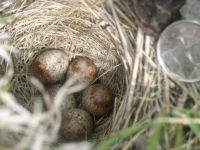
(97, 99)
(50, 66)
(76, 124)
(84, 68)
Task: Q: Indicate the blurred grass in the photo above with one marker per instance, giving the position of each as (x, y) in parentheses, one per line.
(157, 136)
(6, 19)
(179, 139)
(121, 135)
(160, 129)
(6, 88)
(195, 129)
(189, 112)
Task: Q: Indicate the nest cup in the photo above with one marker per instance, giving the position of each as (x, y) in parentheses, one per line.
(73, 27)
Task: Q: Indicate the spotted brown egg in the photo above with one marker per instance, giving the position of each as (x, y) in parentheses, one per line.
(50, 66)
(76, 124)
(97, 99)
(84, 68)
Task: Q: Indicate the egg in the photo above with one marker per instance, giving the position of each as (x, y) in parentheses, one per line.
(76, 124)
(50, 66)
(97, 99)
(68, 103)
(84, 68)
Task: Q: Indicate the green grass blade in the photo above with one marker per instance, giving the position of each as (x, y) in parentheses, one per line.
(190, 112)
(195, 129)
(157, 136)
(158, 133)
(120, 136)
(179, 138)
(6, 88)
(6, 19)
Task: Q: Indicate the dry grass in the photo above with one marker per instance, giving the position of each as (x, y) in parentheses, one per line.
(72, 26)
(152, 92)
(127, 61)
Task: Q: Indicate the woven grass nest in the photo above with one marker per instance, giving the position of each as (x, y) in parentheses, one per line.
(106, 32)
(67, 26)
(76, 28)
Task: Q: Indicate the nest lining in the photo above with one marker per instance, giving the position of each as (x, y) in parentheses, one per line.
(74, 28)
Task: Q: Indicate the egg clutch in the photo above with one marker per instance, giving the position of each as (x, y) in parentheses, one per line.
(52, 66)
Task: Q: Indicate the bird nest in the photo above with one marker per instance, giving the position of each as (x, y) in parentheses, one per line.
(108, 33)
(77, 28)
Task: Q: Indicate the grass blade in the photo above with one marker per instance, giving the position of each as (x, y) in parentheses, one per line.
(120, 136)
(157, 136)
(6, 19)
(179, 138)
(195, 129)
(191, 112)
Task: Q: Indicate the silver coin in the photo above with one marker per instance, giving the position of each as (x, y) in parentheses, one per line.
(178, 50)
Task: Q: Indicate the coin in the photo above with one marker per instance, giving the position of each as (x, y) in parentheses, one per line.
(178, 50)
